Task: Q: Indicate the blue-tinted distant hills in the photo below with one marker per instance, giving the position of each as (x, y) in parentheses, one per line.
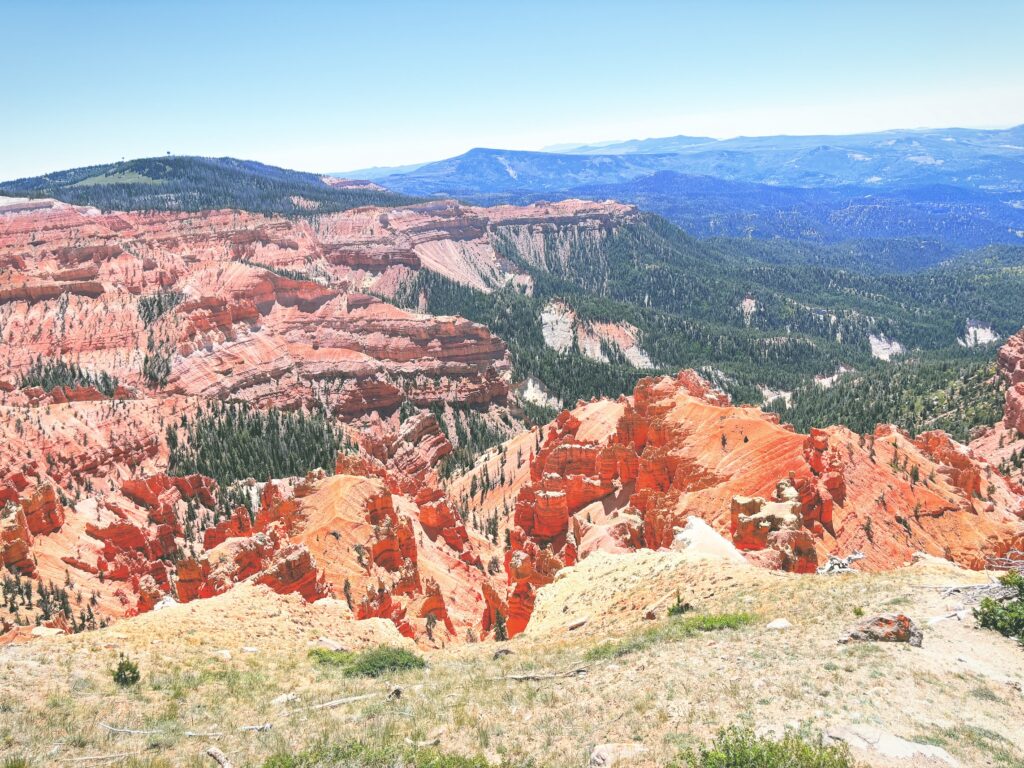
(987, 160)
(983, 159)
(961, 187)
(956, 217)
(503, 173)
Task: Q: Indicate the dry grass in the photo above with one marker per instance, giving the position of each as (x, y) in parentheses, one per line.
(672, 694)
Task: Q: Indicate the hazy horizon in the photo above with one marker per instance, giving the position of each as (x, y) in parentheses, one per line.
(328, 87)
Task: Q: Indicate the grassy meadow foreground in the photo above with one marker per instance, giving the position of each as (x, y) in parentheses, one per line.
(248, 672)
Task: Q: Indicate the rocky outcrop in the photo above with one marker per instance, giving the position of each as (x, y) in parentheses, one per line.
(15, 540)
(293, 570)
(438, 521)
(678, 449)
(887, 628)
(410, 448)
(24, 519)
(238, 524)
(1011, 365)
(43, 511)
(262, 558)
(405, 558)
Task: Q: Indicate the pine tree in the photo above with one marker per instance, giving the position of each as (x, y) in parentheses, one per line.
(500, 628)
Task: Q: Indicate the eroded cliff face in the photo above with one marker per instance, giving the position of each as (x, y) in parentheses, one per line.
(1011, 366)
(276, 312)
(232, 306)
(255, 310)
(1003, 444)
(621, 476)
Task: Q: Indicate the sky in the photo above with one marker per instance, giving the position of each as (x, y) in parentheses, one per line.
(334, 86)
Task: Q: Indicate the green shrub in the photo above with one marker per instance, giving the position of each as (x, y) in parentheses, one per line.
(712, 622)
(357, 754)
(675, 628)
(126, 673)
(678, 608)
(740, 748)
(331, 658)
(15, 762)
(375, 662)
(1005, 617)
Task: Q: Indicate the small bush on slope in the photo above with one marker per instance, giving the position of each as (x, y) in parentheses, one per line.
(372, 663)
(676, 628)
(329, 658)
(1005, 617)
(740, 748)
(678, 608)
(358, 754)
(127, 672)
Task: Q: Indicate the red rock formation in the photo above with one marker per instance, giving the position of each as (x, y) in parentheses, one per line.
(679, 449)
(243, 328)
(238, 524)
(404, 558)
(381, 604)
(265, 309)
(293, 570)
(43, 512)
(15, 540)
(437, 519)
(191, 581)
(1011, 365)
(277, 312)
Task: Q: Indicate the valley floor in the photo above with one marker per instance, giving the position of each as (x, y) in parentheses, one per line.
(241, 659)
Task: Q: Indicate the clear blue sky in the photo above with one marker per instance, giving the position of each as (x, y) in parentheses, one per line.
(338, 85)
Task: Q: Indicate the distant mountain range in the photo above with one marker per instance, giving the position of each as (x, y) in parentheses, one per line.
(960, 187)
(991, 160)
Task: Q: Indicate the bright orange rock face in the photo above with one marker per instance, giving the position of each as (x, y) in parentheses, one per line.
(404, 558)
(787, 500)
(1000, 443)
(1011, 366)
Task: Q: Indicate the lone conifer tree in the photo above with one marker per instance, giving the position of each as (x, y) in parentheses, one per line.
(500, 630)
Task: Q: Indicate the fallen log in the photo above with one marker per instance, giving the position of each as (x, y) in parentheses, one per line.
(219, 757)
(98, 758)
(347, 700)
(836, 564)
(423, 744)
(543, 675)
(112, 729)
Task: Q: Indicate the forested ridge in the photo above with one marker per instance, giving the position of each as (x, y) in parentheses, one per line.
(810, 319)
(235, 441)
(49, 373)
(181, 183)
(949, 391)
